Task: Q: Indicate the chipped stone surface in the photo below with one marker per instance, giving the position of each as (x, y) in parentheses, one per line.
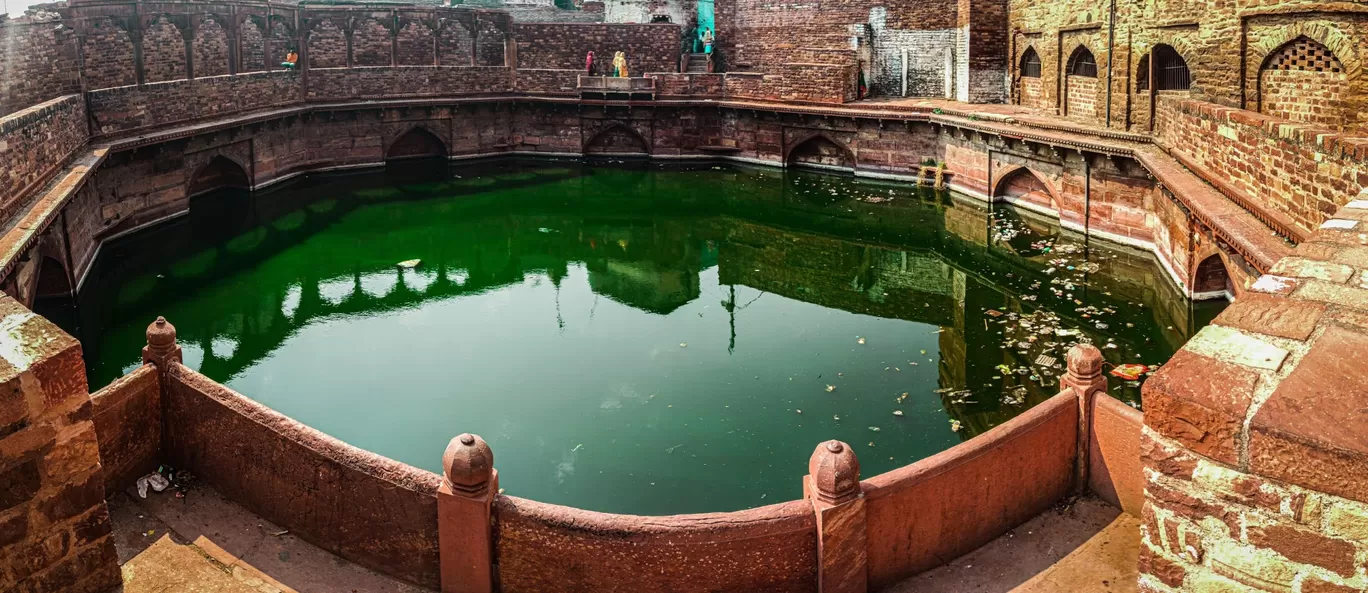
(1273, 316)
(1229, 345)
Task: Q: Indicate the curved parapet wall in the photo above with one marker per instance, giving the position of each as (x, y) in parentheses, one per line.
(925, 514)
(363, 507)
(770, 549)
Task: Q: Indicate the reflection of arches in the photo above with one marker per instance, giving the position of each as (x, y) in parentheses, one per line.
(416, 143)
(221, 172)
(821, 150)
(53, 280)
(1022, 185)
(617, 139)
(1305, 81)
(1211, 277)
(1170, 70)
(1030, 63)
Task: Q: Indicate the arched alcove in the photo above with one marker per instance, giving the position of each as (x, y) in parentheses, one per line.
(821, 151)
(617, 139)
(1304, 81)
(1171, 71)
(1211, 276)
(1030, 63)
(219, 173)
(53, 280)
(1024, 186)
(1081, 96)
(414, 144)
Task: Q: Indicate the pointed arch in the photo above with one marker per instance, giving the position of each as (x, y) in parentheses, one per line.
(219, 173)
(1081, 62)
(54, 280)
(1030, 63)
(819, 149)
(1211, 278)
(1023, 185)
(417, 142)
(617, 138)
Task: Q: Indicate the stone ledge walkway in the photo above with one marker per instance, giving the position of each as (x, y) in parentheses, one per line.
(1090, 547)
(205, 543)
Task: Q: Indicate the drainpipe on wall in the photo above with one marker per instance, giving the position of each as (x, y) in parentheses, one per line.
(1087, 194)
(1111, 46)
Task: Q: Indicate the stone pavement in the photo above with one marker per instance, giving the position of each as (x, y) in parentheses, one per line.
(204, 543)
(1088, 547)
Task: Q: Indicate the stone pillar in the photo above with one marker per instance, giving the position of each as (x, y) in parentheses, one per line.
(833, 487)
(55, 531)
(464, 516)
(1086, 380)
(161, 348)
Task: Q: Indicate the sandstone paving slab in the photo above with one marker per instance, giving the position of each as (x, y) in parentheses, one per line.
(204, 543)
(1089, 548)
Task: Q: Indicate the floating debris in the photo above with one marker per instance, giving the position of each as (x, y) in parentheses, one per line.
(898, 413)
(874, 429)
(830, 388)
(955, 425)
(1130, 372)
(409, 264)
(859, 340)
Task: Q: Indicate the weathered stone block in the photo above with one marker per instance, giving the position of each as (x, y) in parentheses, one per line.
(1266, 314)
(19, 483)
(1200, 403)
(1305, 546)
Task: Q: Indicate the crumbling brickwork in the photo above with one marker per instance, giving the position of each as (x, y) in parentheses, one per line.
(327, 45)
(415, 45)
(370, 43)
(252, 55)
(37, 61)
(55, 531)
(163, 51)
(456, 44)
(108, 52)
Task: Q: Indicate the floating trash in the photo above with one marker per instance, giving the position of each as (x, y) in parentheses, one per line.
(898, 413)
(859, 340)
(955, 425)
(830, 388)
(1129, 372)
(409, 264)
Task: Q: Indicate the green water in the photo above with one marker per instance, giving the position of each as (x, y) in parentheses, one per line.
(629, 338)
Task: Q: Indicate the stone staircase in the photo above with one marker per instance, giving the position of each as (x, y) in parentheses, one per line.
(696, 63)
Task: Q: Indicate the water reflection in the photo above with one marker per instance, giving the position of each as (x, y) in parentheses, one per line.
(702, 277)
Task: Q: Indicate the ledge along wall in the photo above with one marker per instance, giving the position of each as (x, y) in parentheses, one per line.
(391, 517)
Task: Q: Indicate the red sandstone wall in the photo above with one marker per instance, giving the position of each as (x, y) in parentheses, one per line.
(128, 423)
(1295, 175)
(120, 110)
(346, 84)
(948, 504)
(37, 62)
(373, 511)
(648, 47)
(34, 144)
(1116, 474)
(542, 547)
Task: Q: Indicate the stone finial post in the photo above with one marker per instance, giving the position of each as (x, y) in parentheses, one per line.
(464, 506)
(1086, 380)
(161, 348)
(833, 488)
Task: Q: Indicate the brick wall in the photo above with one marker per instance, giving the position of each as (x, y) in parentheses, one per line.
(406, 81)
(649, 48)
(415, 45)
(128, 421)
(210, 48)
(1081, 100)
(456, 44)
(327, 46)
(253, 44)
(34, 144)
(1295, 175)
(124, 109)
(55, 532)
(108, 52)
(371, 43)
(37, 61)
(491, 39)
(163, 51)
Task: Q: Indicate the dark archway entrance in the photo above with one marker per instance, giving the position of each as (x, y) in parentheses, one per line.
(821, 152)
(417, 143)
(221, 172)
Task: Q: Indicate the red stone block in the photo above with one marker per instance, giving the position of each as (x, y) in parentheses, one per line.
(1316, 585)
(1311, 430)
(1307, 547)
(1274, 316)
(1201, 403)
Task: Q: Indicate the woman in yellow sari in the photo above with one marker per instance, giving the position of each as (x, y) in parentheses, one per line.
(620, 65)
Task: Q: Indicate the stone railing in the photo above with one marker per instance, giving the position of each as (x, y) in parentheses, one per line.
(457, 532)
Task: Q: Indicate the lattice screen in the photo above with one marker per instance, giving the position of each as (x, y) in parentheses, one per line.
(1304, 53)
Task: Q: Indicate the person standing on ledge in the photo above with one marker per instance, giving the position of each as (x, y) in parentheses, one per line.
(291, 59)
(589, 63)
(707, 38)
(620, 65)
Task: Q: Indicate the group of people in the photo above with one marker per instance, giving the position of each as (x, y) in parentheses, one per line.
(619, 67)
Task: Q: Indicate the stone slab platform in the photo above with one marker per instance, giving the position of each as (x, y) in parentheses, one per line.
(205, 543)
